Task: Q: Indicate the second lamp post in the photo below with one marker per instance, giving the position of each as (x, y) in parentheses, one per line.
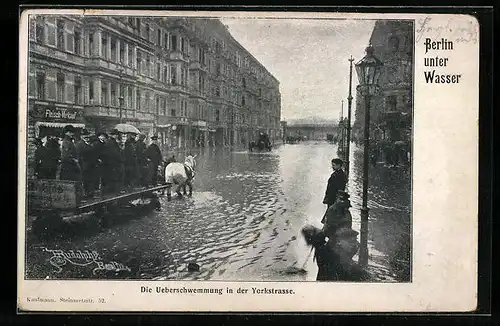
(369, 71)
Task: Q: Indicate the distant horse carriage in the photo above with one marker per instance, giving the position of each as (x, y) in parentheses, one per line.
(293, 139)
(263, 143)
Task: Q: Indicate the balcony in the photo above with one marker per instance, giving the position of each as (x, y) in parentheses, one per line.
(103, 111)
(178, 55)
(55, 53)
(100, 111)
(102, 63)
(196, 65)
(164, 121)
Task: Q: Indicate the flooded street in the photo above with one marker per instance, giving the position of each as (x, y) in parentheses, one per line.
(243, 222)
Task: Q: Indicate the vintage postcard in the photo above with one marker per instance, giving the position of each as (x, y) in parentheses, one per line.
(247, 161)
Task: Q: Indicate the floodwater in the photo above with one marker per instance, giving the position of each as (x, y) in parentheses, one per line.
(243, 222)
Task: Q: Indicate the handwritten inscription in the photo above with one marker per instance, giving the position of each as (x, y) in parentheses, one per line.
(457, 30)
(83, 258)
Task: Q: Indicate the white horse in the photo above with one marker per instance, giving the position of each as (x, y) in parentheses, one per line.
(181, 174)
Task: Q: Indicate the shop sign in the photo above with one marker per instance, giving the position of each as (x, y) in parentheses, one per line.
(200, 123)
(57, 114)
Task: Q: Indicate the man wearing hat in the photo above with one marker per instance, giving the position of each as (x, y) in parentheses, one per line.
(99, 153)
(70, 167)
(142, 163)
(87, 161)
(336, 182)
(154, 157)
(40, 160)
(53, 158)
(130, 161)
(112, 172)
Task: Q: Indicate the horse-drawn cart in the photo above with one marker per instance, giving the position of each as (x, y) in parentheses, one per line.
(263, 143)
(50, 201)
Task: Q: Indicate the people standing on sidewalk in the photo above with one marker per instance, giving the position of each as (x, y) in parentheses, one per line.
(142, 163)
(70, 167)
(154, 158)
(86, 159)
(130, 161)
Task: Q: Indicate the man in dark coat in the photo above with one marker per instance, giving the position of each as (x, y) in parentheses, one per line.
(53, 157)
(40, 160)
(142, 163)
(130, 161)
(154, 157)
(336, 182)
(99, 153)
(112, 164)
(86, 159)
(70, 167)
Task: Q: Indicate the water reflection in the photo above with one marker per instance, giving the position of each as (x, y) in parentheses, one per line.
(244, 219)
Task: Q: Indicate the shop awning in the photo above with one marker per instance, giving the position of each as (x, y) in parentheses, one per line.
(212, 130)
(58, 124)
(164, 126)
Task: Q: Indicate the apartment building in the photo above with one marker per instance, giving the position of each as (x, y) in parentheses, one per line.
(186, 80)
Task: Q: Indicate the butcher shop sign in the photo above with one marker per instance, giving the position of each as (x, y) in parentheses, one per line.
(57, 114)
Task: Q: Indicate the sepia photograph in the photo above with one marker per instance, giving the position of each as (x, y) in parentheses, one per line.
(206, 148)
(219, 149)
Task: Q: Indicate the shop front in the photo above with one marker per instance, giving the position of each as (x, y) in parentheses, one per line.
(50, 120)
(199, 132)
(173, 132)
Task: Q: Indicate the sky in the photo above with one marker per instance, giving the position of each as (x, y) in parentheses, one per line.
(308, 57)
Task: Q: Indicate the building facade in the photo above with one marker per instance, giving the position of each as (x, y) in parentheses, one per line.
(186, 80)
(391, 107)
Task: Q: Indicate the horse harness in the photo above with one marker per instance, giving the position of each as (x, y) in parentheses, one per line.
(189, 172)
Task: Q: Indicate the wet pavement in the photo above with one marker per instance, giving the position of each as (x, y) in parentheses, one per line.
(242, 223)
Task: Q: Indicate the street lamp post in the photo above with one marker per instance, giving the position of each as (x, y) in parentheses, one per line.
(368, 70)
(120, 98)
(349, 105)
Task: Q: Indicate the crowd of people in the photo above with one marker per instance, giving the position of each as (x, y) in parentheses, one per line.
(101, 162)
